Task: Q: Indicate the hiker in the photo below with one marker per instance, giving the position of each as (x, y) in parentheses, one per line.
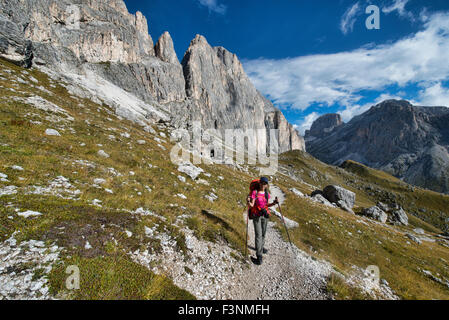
(258, 202)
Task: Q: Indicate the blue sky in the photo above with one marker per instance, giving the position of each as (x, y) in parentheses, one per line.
(317, 57)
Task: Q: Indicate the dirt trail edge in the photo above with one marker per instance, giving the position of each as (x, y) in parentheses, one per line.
(287, 273)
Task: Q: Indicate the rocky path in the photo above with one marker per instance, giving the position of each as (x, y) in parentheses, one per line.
(287, 273)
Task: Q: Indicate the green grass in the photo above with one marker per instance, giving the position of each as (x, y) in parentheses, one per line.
(341, 290)
(323, 232)
(113, 278)
(45, 158)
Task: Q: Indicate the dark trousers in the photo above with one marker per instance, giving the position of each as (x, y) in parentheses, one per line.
(260, 228)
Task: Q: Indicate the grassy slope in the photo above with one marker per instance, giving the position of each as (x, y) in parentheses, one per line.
(324, 231)
(44, 158)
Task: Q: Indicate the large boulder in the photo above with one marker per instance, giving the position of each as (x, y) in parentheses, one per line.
(399, 217)
(375, 213)
(320, 199)
(314, 193)
(344, 206)
(340, 196)
(383, 206)
(190, 170)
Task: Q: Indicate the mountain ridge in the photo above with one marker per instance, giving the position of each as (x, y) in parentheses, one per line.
(409, 142)
(105, 38)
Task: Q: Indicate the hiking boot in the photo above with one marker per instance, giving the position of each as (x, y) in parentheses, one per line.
(257, 261)
(265, 251)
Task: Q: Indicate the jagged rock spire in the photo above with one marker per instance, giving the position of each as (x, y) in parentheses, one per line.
(226, 97)
(165, 50)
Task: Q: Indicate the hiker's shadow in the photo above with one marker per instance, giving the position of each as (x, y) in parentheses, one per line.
(252, 248)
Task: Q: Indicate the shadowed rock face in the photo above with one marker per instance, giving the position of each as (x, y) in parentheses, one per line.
(13, 46)
(102, 36)
(325, 124)
(406, 141)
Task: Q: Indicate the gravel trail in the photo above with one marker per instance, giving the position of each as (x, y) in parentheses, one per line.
(287, 273)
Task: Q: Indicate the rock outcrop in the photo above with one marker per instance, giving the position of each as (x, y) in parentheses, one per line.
(375, 213)
(345, 199)
(409, 142)
(381, 212)
(78, 38)
(399, 217)
(335, 196)
(95, 31)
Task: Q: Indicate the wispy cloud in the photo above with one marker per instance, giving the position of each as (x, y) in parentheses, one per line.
(304, 125)
(399, 7)
(349, 18)
(434, 94)
(338, 79)
(214, 6)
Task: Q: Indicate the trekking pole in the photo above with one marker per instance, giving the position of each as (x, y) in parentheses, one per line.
(280, 211)
(246, 237)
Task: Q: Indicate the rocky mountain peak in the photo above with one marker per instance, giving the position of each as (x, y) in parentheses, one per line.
(165, 49)
(215, 79)
(394, 105)
(199, 40)
(409, 142)
(230, 61)
(325, 124)
(118, 5)
(145, 40)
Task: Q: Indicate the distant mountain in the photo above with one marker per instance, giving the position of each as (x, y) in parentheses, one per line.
(407, 141)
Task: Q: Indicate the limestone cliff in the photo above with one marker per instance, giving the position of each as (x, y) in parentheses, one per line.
(101, 37)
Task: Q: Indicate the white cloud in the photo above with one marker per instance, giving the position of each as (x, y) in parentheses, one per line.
(327, 79)
(399, 6)
(213, 6)
(349, 18)
(434, 95)
(306, 123)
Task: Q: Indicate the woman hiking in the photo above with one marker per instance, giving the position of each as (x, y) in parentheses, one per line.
(258, 202)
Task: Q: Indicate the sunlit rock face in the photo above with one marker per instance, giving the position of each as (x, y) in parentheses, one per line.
(225, 98)
(101, 37)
